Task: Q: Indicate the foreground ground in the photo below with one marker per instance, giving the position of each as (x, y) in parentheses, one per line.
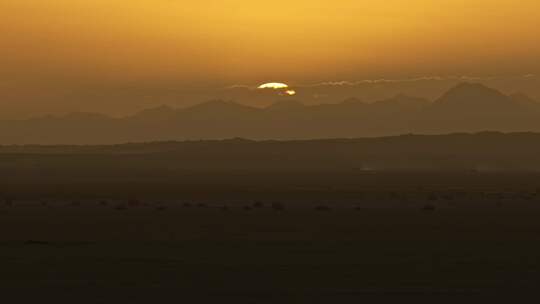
(331, 239)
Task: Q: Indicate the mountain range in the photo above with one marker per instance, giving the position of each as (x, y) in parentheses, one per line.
(467, 107)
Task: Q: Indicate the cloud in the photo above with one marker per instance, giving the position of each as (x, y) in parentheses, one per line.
(394, 81)
(416, 79)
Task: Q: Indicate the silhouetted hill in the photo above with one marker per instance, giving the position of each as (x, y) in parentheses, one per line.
(157, 114)
(466, 98)
(286, 105)
(464, 108)
(218, 109)
(482, 152)
(470, 107)
(526, 102)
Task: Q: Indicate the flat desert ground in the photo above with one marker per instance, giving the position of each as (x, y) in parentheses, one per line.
(292, 238)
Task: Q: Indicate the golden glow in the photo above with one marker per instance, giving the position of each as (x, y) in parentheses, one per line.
(244, 41)
(282, 87)
(52, 50)
(273, 85)
(290, 92)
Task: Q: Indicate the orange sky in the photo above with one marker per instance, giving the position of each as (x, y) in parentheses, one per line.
(206, 42)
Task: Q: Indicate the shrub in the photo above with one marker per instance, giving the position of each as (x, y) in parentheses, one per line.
(278, 206)
(9, 202)
(429, 208)
(134, 203)
(161, 208)
(323, 208)
(120, 207)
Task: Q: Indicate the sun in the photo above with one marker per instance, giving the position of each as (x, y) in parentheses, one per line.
(281, 88)
(290, 92)
(273, 85)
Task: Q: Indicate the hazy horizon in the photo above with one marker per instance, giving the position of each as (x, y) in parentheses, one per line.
(331, 92)
(117, 57)
(283, 151)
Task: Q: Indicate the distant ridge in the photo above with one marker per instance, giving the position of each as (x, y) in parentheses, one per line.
(476, 98)
(286, 105)
(467, 107)
(472, 107)
(470, 153)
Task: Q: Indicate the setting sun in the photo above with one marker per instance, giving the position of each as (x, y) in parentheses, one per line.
(285, 151)
(273, 85)
(290, 92)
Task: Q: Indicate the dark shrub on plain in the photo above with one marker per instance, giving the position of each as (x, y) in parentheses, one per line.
(161, 208)
(429, 208)
(120, 207)
(9, 202)
(323, 208)
(134, 203)
(278, 206)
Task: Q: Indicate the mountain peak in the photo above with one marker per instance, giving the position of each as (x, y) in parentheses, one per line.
(285, 105)
(158, 113)
(220, 108)
(77, 116)
(469, 89)
(217, 103)
(405, 99)
(158, 109)
(465, 85)
(474, 97)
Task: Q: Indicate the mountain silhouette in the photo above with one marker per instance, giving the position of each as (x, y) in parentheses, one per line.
(219, 109)
(472, 98)
(525, 102)
(157, 114)
(472, 107)
(286, 105)
(467, 107)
